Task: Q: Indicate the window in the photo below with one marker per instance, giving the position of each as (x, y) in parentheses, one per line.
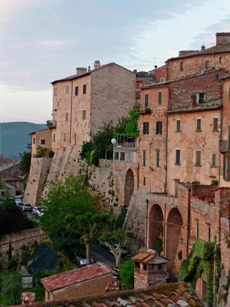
(158, 127)
(178, 125)
(116, 155)
(217, 77)
(33, 140)
(84, 88)
(213, 160)
(198, 158)
(206, 64)
(67, 89)
(197, 229)
(224, 40)
(66, 117)
(157, 158)
(181, 66)
(198, 124)
(176, 187)
(122, 156)
(177, 161)
(146, 101)
(159, 97)
(144, 157)
(128, 156)
(76, 90)
(43, 142)
(226, 168)
(146, 128)
(144, 181)
(209, 233)
(220, 59)
(228, 137)
(215, 124)
(199, 97)
(83, 114)
(54, 136)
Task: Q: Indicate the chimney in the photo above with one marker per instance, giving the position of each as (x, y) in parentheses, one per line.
(81, 70)
(193, 101)
(97, 64)
(155, 66)
(89, 68)
(203, 47)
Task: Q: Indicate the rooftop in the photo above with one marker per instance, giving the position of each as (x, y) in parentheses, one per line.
(149, 256)
(78, 275)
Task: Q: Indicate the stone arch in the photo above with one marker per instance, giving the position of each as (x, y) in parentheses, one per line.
(129, 187)
(155, 225)
(174, 224)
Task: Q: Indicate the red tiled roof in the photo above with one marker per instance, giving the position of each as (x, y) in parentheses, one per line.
(5, 160)
(78, 275)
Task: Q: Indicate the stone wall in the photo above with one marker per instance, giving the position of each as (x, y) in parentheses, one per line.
(17, 240)
(39, 170)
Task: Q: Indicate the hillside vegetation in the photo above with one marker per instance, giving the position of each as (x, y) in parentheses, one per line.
(14, 137)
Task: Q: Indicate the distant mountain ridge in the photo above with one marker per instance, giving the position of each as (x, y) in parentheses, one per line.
(14, 137)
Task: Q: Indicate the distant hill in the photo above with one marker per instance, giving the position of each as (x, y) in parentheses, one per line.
(14, 137)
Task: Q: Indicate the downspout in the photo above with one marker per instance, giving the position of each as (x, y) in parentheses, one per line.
(147, 225)
(221, 134)
(71, 111)
(188, 221)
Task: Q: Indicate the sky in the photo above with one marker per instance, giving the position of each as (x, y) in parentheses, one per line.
(44, 40)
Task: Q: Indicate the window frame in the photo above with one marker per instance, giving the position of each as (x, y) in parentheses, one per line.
(84, 89)
(198, 125)
(178, 125)
(213, 161)
(146, 101)
(43, 141)
(145, 128)
(198, 158)
(159, 127)
(215, 123)
(177, 157)
(76, 90)
(159, 98)
(83, 114)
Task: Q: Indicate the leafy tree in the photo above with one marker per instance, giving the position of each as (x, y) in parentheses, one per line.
(117, 241)
(132, 125)
(88, 225)
(12, 219)
(70, 211)
(25, 162)
(7, 201)
(127, 274)
(12, 288)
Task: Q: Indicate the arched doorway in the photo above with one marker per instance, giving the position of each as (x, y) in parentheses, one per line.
(156, 228)
(129, 187)
(174, 224)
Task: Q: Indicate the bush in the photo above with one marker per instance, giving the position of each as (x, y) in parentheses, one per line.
(127, 274)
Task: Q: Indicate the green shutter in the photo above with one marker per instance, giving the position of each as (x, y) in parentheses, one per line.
(224, 167)
(144, 158)
(228, 137)
(159, 97)
(157, 159)
(146, 101)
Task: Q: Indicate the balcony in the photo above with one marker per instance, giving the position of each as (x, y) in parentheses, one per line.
(224, 146)
(145, 111)
(51, 124)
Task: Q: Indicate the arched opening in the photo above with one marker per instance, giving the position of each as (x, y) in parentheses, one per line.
(156, 228)
(174, 224)
(129, 187)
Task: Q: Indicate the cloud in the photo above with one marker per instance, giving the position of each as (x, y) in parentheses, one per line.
(53, 43)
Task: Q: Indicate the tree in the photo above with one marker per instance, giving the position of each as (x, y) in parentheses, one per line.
(117, 241)
(70, 211)
(127, 274)
(12, 288)
(25, 162)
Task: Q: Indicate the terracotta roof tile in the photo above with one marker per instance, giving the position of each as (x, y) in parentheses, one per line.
(78, 275)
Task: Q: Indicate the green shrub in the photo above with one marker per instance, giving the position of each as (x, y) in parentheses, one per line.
(127, 274)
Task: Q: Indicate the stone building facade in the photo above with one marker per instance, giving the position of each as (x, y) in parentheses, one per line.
(182, 166)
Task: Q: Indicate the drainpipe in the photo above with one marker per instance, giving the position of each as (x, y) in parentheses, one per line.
(146, 226)
(188, 221)
(71, 111)
(164, 231)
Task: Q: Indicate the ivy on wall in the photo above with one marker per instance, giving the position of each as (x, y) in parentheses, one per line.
(200, 258)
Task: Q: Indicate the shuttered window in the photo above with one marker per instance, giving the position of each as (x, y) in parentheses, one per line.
(157, 159)
(146, 128)
(146, 101)
(159, 98)
(144, 158)
(177, 162)
(158, 127)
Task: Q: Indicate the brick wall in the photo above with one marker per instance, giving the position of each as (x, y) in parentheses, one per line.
(87, 288)
(42, 138)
